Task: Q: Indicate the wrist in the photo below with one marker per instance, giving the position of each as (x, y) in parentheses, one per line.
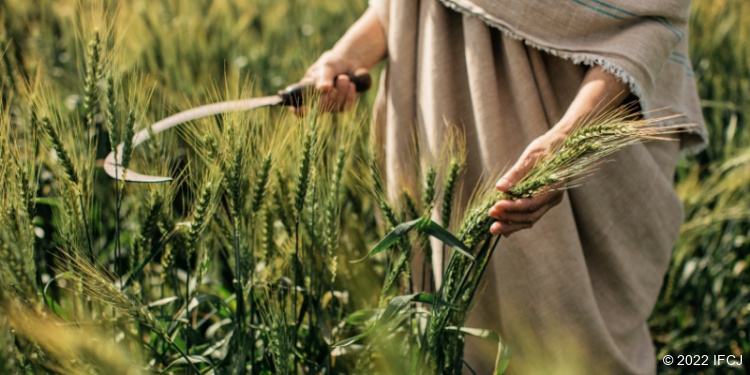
(340, 60)
(562, 129)
(353, 56)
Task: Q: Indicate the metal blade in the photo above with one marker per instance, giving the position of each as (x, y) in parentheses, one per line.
(112, 164)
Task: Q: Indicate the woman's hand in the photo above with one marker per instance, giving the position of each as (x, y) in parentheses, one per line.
(362, 47)
(600, 91)
(329, 76)
(514, 215)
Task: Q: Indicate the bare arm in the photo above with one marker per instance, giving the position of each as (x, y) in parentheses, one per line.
(600, 91)
(362, 46)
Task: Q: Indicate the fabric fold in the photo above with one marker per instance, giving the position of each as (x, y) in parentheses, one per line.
(644, 43)
(574, 292)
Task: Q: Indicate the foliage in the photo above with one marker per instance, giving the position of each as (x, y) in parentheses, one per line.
(255, 258)
(704, 306)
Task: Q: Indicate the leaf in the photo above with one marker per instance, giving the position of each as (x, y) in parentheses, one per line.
(361, 316)
(393, 237)
(163, 301)
(197, 300)
(394, 307)
(424, 298)
(213, 328)
(341, 351)
(192, 358)
(219, 349)
(435, 230)
(391, 311)
(353, 339)
(503, 351)
(52, 202)
(398, 303)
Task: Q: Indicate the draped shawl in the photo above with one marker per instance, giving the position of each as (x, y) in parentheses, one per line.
(643, 42)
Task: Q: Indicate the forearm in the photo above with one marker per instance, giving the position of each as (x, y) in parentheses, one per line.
(600, 91)
(365, 43)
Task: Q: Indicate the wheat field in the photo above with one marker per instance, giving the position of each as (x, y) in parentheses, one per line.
(275, 250)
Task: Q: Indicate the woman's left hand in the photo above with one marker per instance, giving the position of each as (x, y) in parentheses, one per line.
(600, 91)
(514, 215)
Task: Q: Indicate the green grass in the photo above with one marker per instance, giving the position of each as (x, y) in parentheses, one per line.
(105, 277)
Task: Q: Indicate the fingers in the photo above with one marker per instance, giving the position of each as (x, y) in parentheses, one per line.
(518, 171)
(536, 150)
(351, 96)
(506, 229)
(509, 179)
(322, 72)
(340, 97)
(337, 92)
(325, 79)
(526, 206)
(513, 216)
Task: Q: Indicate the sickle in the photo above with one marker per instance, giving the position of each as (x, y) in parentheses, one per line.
(292, 95)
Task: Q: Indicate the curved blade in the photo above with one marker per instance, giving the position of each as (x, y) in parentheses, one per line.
(113, 166)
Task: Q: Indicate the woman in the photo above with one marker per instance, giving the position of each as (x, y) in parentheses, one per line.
(570, 291)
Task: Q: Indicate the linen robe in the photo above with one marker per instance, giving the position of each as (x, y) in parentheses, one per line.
(572, 294)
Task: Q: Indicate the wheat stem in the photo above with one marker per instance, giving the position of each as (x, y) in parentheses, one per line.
(91, 91)
(62, 156)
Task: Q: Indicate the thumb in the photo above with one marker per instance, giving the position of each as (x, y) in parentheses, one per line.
(325, 80)
(513, 176)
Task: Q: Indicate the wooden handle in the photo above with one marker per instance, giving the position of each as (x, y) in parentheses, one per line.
(294, 94)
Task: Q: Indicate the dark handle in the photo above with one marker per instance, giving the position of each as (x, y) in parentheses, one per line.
(294, 94)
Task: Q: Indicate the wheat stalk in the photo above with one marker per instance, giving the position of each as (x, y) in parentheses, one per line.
(128, 132)
(95, 285)
(261, 187)
(449, 189)
(62, 156)
(564, 167)
(333, 211)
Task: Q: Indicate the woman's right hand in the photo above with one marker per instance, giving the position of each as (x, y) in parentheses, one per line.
(329, 76)
(362, 47)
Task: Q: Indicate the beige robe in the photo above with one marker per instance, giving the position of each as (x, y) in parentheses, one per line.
(572, 294)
